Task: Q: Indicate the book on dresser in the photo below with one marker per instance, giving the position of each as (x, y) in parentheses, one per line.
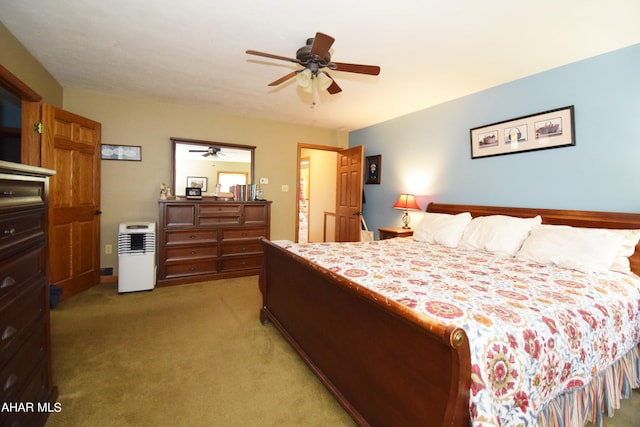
(209, 239)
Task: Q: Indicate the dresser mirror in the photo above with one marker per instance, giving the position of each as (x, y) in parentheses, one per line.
(205, 164)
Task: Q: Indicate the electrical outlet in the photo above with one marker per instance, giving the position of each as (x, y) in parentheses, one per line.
(285, 188)
(264, 181)
(108, 249)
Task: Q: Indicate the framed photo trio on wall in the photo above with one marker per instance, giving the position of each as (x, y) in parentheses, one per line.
(549, 129)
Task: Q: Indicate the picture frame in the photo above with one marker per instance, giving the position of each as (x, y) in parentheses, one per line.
(373, 169)
(121, 152)
(548, 129)
(193, 193)
(197, 181)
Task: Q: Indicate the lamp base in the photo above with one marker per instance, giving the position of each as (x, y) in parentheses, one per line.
(405, 220)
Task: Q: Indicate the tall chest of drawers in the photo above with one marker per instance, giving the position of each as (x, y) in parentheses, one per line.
(206, 239)
(25, 340)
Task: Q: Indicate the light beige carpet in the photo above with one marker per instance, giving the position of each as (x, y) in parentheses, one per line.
(191, 355)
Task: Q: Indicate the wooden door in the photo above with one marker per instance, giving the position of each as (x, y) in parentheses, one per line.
(349, 194)
(71, 146)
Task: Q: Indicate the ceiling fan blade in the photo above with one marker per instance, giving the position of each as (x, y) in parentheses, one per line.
(269, 55)
(373, 70)
(321, 44)
(284, 78)
(334, 88)
(198, 151)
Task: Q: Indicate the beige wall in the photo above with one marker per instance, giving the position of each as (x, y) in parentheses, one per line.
(130, 190)
(15, 58)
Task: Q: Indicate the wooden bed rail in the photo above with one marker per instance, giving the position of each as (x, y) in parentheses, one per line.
(385, 364)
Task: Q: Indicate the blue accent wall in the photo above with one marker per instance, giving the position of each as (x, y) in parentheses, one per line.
(428, 152)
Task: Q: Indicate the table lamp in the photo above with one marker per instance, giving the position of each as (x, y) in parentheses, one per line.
(406, 202)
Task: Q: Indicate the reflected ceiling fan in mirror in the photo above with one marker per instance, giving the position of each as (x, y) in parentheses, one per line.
(209, 152)
(315, 57)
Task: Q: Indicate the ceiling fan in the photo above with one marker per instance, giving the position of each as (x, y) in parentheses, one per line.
(209, 152)
(314, 57)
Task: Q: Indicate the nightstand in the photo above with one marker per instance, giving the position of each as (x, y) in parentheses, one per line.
(391, 232)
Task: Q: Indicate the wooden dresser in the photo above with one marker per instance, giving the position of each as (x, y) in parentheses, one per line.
(25, 340)
(206, 239)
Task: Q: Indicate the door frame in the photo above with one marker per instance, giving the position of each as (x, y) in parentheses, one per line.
(301, 146)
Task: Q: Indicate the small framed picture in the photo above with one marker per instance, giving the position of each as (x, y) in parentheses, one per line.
(194, 193)
(121, 152)
(197, 181)
(373, 165)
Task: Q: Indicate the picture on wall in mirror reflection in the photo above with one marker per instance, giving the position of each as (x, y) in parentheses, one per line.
(197, 182)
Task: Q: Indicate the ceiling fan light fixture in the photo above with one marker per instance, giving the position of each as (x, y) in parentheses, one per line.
(304, 79)
(324, 81)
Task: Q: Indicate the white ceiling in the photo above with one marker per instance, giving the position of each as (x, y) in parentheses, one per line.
(193, 51)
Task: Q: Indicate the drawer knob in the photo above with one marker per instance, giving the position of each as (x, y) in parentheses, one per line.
(7, 193)
(9, 232)
(193, 236)
(8, 282)
(243, 249)
(9, 331)
(192, 252)
(11, 380)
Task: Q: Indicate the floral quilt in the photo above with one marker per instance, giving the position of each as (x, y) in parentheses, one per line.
(535, 332)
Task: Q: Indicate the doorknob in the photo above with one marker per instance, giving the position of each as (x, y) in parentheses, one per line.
(358, 213)
(98, 212)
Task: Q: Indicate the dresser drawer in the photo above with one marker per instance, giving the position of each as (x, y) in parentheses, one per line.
(191, 252)
(190, 268)
(243, 233)
(20, 269)
(256, 214)
(17, 320)
(242, 247)
(21, 191)
(211, 215)
(238, 263)
(189, 237)
(35, 390)
(180, 215)
(21, 230)
(221, 209)
(216, 221)
(15, 374)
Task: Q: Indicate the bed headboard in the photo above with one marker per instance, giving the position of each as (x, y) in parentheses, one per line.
(592, 219)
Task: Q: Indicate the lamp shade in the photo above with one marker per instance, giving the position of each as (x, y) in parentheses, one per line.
(304, 79)
(407, 202)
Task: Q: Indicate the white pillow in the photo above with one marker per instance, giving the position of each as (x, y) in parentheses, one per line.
(583, 249)
(444, 229)
(630, 239)
(499, 234)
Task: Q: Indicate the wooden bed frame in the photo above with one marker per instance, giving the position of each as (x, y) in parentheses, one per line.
(385, 365)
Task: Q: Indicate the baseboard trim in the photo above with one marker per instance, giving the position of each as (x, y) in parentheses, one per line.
(108, 279)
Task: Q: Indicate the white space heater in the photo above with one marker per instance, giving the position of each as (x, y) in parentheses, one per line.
(136, 256)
